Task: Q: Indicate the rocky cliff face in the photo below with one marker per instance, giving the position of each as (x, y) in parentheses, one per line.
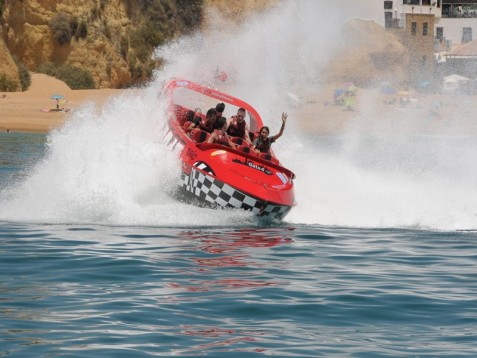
(111, 39)
(8, 69)
(26, 32)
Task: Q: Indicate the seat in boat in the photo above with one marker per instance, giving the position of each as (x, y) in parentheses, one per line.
(238, 140)
(269, 157)
(188, 116)
(180, 113)
(246, 149)
(199, 135)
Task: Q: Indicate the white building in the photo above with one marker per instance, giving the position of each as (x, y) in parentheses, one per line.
(455, 20)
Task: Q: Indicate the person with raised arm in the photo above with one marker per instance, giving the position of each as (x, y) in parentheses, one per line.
(264, 141)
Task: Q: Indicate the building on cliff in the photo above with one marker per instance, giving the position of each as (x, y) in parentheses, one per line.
(433, 31)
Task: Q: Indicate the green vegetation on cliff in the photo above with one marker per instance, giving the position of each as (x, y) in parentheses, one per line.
(110, 43)
(158, 21)
(25, 77)
(74, 77)
(7, 84)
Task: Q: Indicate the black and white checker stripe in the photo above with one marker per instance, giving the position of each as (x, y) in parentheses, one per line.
(204, 167)
(208, 189)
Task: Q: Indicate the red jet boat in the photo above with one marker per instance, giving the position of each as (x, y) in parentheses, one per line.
(220, 176)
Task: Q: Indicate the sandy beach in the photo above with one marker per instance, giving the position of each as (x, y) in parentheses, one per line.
(314, 110)
(28, 111)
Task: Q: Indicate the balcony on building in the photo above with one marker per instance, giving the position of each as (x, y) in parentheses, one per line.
(459, 8)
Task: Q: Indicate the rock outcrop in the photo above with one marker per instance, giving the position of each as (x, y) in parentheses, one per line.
(369, 55)
(8, 69)
(107, 38)
(27, 34)
(113, 49)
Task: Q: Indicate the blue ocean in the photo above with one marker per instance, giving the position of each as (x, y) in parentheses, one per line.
(97, 260)
(377, 259)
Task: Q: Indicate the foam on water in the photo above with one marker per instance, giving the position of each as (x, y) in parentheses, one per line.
(109, 166)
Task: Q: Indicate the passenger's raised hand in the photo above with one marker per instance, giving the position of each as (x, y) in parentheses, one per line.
(284, 117)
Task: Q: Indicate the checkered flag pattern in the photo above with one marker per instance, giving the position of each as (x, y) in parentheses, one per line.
(210, 190)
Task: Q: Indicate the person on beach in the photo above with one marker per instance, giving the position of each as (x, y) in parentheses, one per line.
(264, 141)
(237, 127)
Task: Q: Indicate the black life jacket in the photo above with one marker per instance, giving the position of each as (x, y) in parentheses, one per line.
(236, 129)
(263, 145)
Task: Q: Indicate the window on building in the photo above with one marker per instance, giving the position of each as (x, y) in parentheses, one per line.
(388, 5)
(467, 34)
(413, 28)
(440, 33)
(411, 2)
(425, 29)
(426, 2)
(446, 10)
(438, 3)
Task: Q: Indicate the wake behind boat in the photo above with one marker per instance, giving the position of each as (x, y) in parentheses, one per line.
(217, 175)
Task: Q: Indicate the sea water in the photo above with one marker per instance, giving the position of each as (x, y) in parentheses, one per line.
(216, 285)
(377, 259)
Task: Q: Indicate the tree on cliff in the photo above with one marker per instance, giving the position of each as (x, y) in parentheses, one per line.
(60, 27)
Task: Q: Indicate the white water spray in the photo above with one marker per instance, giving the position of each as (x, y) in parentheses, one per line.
(110, 167)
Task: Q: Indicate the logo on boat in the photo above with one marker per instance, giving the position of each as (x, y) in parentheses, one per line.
(251, 164)
(222, 96)
(182, 83)
(191, 154)
(282, 177)
(217, 152)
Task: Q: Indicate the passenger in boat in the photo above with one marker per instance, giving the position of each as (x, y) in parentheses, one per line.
(237, 127)
(264, 141)
(220, 107)
(206, 124)
(219, 136)
(190, 116)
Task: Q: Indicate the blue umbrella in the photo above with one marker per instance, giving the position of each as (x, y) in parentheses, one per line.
(57, 96)
(339, 92)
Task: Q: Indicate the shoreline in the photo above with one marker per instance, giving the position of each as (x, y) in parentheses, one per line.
(314, 110)
(34, 111)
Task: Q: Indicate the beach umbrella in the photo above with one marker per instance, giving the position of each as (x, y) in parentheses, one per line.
(57, 96)
(339, 92)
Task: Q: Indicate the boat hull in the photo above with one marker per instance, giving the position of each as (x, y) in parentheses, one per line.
(214, 175)
(209, 191)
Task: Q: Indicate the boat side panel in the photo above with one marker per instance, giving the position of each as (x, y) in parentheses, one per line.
(214, 192)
